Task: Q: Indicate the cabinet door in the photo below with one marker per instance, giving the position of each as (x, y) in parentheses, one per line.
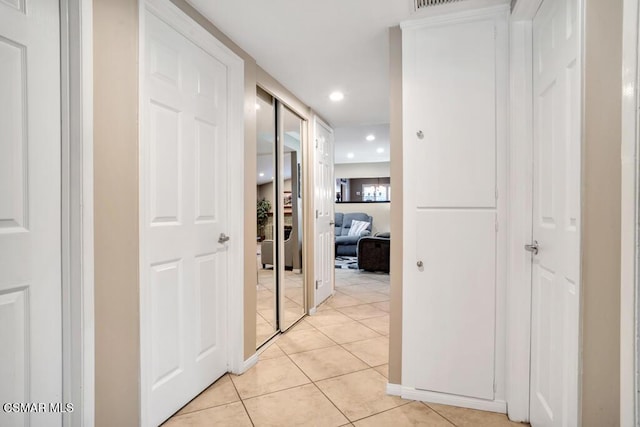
(452, 152)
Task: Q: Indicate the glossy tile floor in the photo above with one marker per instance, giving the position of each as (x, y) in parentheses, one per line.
(328, 370)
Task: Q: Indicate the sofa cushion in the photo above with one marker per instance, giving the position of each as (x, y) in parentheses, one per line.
(347, 240)
(357, 227)
(348, 218)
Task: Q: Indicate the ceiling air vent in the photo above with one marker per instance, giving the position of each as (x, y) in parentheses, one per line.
(422, 4)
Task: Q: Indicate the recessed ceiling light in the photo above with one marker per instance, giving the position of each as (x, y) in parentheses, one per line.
(371, 137)
(336, 96)
(380, 150)
(271, 178)
(261, 173)
(350, 155)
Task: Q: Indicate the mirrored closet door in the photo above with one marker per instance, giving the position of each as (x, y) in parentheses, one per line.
(280, 271)
(266, 291)
(291, 277)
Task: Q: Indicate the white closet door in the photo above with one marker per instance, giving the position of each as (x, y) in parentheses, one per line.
(30, 207)
(325, 216)
(556, 207)
(185, 196)
(453, 163)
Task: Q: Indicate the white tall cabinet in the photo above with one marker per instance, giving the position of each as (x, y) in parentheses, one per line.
(455, 104)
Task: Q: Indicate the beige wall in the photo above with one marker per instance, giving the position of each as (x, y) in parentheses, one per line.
(117, 335)
(601, 215)
(395, 130)
(381, 213)
(362, 170)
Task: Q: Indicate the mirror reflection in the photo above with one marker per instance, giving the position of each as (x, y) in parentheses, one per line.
(266, 303)
(291, 232)
(279, 214)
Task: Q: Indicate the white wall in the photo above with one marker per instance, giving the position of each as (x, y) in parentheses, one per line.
(381, 212)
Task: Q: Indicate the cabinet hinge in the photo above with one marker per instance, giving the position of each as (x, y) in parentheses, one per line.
(317, 214)
(317, 284)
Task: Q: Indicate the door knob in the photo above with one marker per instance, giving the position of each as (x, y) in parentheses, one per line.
(420, 134)
(332, 223)
(419, 264)
(533, 248)
(223, 238)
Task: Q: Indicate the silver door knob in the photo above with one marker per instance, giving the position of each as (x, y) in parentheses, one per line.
(420, 134)
(223, 238)
(419, 264)
(533, 248)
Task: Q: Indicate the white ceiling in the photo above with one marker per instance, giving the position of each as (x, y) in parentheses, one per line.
(352, 140)
(315, 47)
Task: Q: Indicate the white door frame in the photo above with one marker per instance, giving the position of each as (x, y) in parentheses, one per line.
(186, 26)
(76, 39)
(630, 284)
(521, 206)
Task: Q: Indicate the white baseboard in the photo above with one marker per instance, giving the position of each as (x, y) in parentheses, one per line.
(312, 311)
(394, 389)
(499, 406)
(248, 364)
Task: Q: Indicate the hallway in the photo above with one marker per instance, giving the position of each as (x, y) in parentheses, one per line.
(328, 370)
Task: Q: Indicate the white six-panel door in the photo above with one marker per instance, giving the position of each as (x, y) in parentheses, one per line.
(185, 200)
(556, 219)
(324, 199)
(30, 206)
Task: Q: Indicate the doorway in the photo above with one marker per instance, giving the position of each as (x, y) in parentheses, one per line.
(190, 234)
(280, 301)
(544, 296)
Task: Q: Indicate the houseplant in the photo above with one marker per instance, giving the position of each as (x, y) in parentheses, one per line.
(262, 209)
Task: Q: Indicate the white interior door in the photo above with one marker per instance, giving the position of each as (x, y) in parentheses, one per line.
(185, 201)
(30, 207)
(556, 186)
(324, 199)
(454, 155)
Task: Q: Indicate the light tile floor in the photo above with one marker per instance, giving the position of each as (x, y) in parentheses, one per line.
(329, 370)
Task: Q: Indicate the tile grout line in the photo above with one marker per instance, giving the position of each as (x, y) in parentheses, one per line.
(319, 389)
(407, 402)
(242, 401)
(438, 412)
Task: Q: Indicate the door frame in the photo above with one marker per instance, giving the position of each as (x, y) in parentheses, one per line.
(519, 290)
(190, 29)
(630, 210)
(78, 349)
(317, 121)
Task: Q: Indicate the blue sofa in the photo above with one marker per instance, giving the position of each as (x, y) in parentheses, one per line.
(348, 245)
